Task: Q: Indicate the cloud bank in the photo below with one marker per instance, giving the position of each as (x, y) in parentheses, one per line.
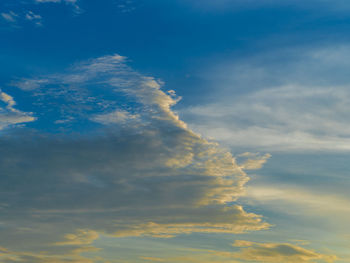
(119, 162)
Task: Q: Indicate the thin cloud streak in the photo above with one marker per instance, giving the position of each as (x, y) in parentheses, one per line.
(300, 106)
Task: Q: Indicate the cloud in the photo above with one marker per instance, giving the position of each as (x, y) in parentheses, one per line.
(50, 1)
(9, 115)
(275, 252)
(247, 251)
(229, 5)
(307, 202)
(126, 6)
(37, 19)
(254, 160)
(115, 117)
(23, 12)
(74, 257)
(73, 3)
(123, 176)
(10, 16)
(298, 106)
(81, 237)
(153, 259)
(17, 18)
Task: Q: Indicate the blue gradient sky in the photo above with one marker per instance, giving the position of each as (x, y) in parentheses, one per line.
(174, 131)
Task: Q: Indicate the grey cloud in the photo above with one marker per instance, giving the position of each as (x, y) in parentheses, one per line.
(154, 177)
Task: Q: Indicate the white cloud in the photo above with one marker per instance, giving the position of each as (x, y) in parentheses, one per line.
(307, 202)
(115, 117)
(10, 16)
(73, 3)
(25, 14)
(229, 5)
(290, 118)
(126, 6)
(57, 1)
(9, 115)
(37, 19)
(17, 18)
(299, 106)
(253, 161)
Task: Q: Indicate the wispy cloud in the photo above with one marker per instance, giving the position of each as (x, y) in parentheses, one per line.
(73, 3)
(299, 106)
(115, 117)
(247, 251)
(18, 18)
(126, 6)
(31, 16)
(9, 115)
(308, 202)
(22, 11)
(275, 252)
(56, 1)
(10, 16)
(229, 5)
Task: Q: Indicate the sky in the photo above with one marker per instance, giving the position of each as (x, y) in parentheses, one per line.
(135, 131)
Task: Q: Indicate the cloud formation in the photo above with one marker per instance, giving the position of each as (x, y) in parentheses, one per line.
(9, 115)
(304, 201)
(31, 16)
(10, 16)
(229, 5)
(15, 18)
(275, 252)
(120, 176)
(73, 3)
(298, 106)
(247, 251)
(22, 13)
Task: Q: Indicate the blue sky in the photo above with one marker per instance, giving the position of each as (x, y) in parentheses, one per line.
(174, 131)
